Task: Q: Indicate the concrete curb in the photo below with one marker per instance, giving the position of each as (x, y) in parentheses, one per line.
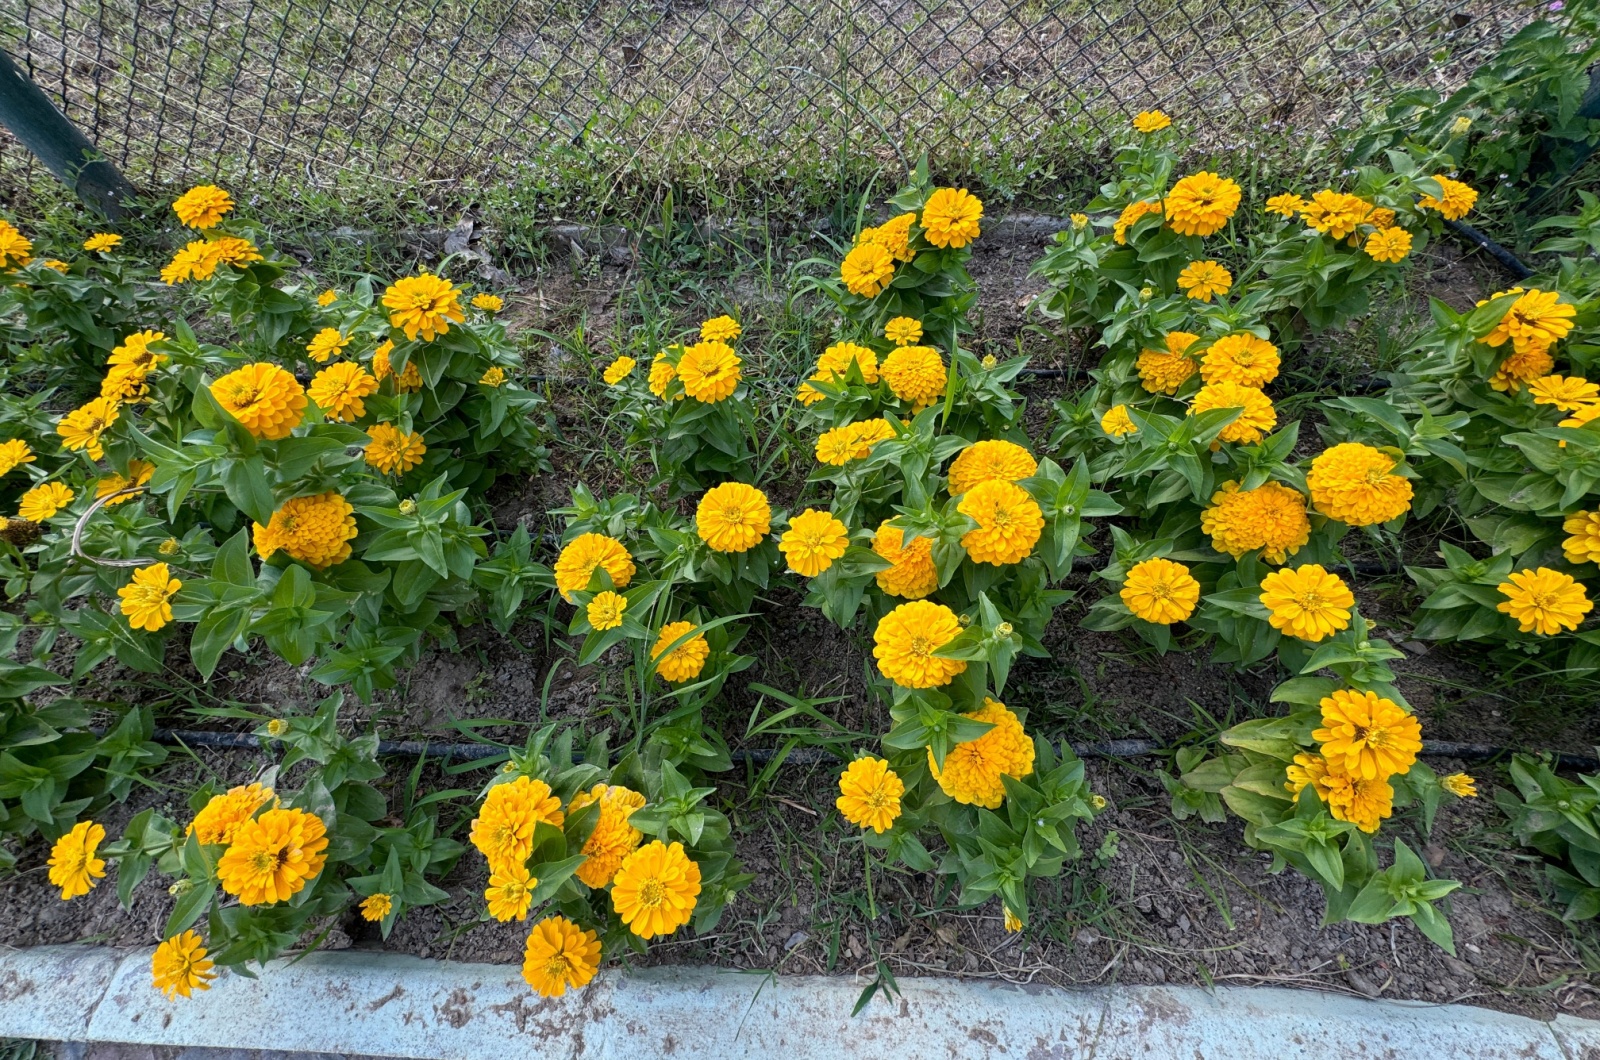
(386, 1005)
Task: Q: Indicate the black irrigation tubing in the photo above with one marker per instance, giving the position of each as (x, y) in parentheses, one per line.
(1499, 253)
(1361, 385)
(243, 741)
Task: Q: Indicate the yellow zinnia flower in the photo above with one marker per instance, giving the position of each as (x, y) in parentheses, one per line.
(905, 640)
(618, 370)
(1389, 244)
(1523, 366)
(1160, 591)
(869, 794)
(101, 241)
(1535, 322)
(995, 460)
(1583, 542)
(1271, 517)
(605, 610)
(220, 818)
(1361, 801)
(720, 329)
(338, 391)
(913, 575)
(1367, 735)
(973, 770)
(1163, 372)
(493, 375)
(273, 857)
(15, 248)
(1116, 422)
(1334, 213)
(81, 428)
(915, 374)
(1243, 358)
(231, 250)
(684, 662)
(585, 553)
(613, 838)
(423, 305)
(267, 400)
(1149, 121)
(489, 303)
(1567, 394)
(147, 599)
(179, 966)
(654, 890)
(1131, 214)
(1456, 198)
(203, 206)
(813, 541)
(1356, 485)
(1544, 601)
(1460, 785)
(315, 530)
(662, 373)
(503, 830)
(329, 342)
(510, 893)
(710, 371)
(950, 218)
(559, 954)
(867, 269)
(1009, 522)
(893, 235)
(733, 517)
(392, 451)
(44, 501)
(1307, 602)
(73, 866)
(374, 907)
(1256, 418)
(1201, 204)
(14, 452)
(1203, 280)
(903, 331)
(327, 298)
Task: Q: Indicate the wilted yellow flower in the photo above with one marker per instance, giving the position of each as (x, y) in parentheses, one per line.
(1203, 280)
(869, 794)
(605, 610)
(81, 428)
(221, 817)
(1131, 214)
(710, 371)
(179, 966)
(273, 857)
(1456, 198)
(147, 599)
(14, 452)
(618, 370)
(973, 770)
(391, 450)
(905, 640)
(1201, 204)
(1009, 522)
(1460, 785)
(1163, 372)
(489, 303)
(1149, 121)
(1367, 735)
(1256, 418)
(1583, 543)
(1307, 602)
(328, 342)
(733, 517)
(338, 390)
(913, 575)
(1389, 244)
(903, 331)
(1160, 591)
(813, 541)
(1080, 221)
(1544, 601)
(44, 501)
(503, 830)
(315, 530)
(1568, 394)
(265, 399)
(950, 218)
(915, 374)
(102, 241)
(720, 329)
(202, 206)
(1271, 517)
(73, 866)
(867, 269)
(613, 838)
(585, 553)
(654, 891)
(559, 954)
(1243, 358)
(423, 305)
(1356, 485)
(684, 662)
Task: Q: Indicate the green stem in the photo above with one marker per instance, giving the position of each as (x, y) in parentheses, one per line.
(872, 905)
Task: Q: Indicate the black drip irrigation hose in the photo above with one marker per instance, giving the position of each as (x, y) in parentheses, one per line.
(801, 756)
(1499, 253)
(1362, 385)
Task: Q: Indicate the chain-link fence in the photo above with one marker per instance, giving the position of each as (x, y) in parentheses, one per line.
(454, 91)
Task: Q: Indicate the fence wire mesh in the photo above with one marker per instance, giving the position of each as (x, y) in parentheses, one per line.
(459, 90)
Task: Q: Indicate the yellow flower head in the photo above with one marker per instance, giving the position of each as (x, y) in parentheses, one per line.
(510, 893)
(81, 428)
(14, 452)
(135, 353)
(894, 236)
(662, 373)
(1389, 244)
(1521, 367)
(1009, 522)
(1149, 121)
(973, 770)
(853, 441)
(203, 206)
(265, 399)
(1356, 485)
(1271, 517)
(147, 599)
(101, 241)
(1116, 422)
(1460, 785)
(315, 530)
(493, 375)
(220, 818)
(15, 248)
(1309, 771)
(559, 954)
(1256, 418)
(613, 838)
(1362, 802)
(392, 451)
(903, 331)
(410, 379)
(338, 391)
(1307, 602)
(867, 269)
(1544, 601)
(654, 891)
(684, 662)
(1366, 735)
(489, 303)
(813, 541)
(231, 250)
(710, 371)
(1201, 204)
(1243, 358)
(869, 794)
(733, 517)
(503, 830)
(1583, 542)
(1160, 591)
(423, 305)
(196, 261)
(328, 342)
(1164, 371)
(179, 966)
(1566, 393)
(1131, 215)
(990, 461)
(73, 866)
(618, 370)
(1456, 198)
(1334, 213)
(605, 610)
(906, 639)
(376, 906)
(327, 298)
(44, 501)
(834, 366)
(1535, 322)
(915, 374)
(1204, 280)
(913, 575)
(950, 218)
(273, 857)
(586, 553)
(720, 329)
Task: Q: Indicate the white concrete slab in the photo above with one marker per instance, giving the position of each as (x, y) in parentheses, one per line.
(51, 991)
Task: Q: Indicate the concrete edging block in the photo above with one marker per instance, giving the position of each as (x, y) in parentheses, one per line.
(52, 991)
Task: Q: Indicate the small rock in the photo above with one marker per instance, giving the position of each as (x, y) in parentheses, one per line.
(797, 939)
(1143, 903)
(1360, 984)
(1458, 967)
(1174, 858)
(1433, 853)
(1086, 936)
(946, 933)
(855, 948)
(1183, 922)
(1415, 647)
(1158, 973)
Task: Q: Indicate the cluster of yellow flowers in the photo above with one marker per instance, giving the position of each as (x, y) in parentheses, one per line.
(1364, 740)
(950, 219)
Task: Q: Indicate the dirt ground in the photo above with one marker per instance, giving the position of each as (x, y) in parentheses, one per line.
(1154, 899)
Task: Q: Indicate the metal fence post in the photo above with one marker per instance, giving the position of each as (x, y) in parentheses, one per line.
(66, 152)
